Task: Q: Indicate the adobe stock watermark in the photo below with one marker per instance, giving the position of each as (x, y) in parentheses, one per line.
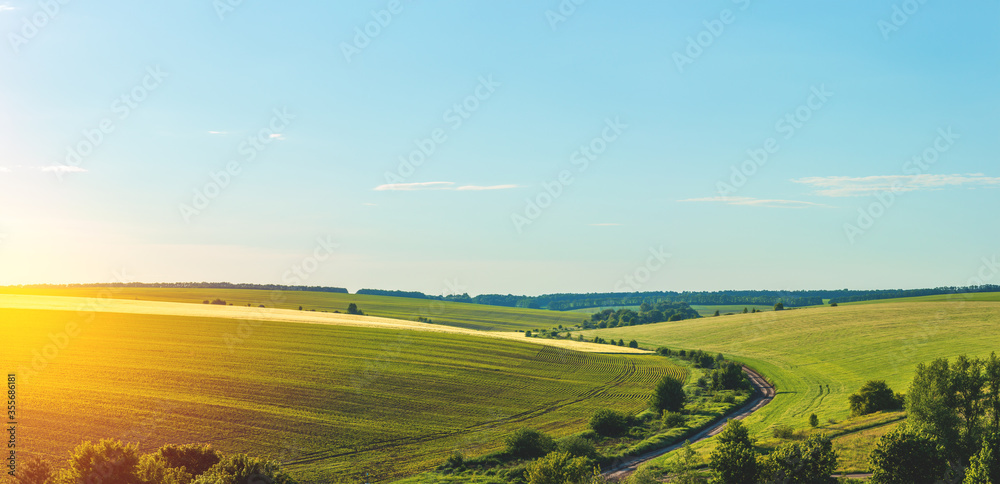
(33, 24)
(454, 118)
(225, 7)
(297, 274)
(365, 34)
(562, 12)
(714, 28)
(787, 126)
(580, 159)
(121, 108)
(901, 14)
(885, 199)
(250, 148)
(633, 281)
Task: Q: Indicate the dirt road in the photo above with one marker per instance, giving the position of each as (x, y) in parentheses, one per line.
(762, 396)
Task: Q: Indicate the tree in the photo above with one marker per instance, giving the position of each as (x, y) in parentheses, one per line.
(633, 344)
(609, 423)
(874, 396)
(810, 462)
(668, 395)
(745, 310)
(195, 458)
(907, 456)
(353, 309)
(559, 468)
(813, 420)
(578, 446)
(528, 443)
(930, 404)
(683, 469)
(241, 468)
(779, 307)
(154, 469)
(106, 461)
(527, 334)
(734, 461)
(716, 312)
(992, 375)
(33, 471)
(984, 467)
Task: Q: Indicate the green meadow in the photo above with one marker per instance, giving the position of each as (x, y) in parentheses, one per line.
(818, 356)
(334, 403)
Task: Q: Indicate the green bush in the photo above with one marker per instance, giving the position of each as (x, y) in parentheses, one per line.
(528, 443)
(578, 446)
(668, 395)
(194, 458)
(673, 420)
(105, 461)
(874, 396)
(609, 423)
(560, 468)
(240, 469)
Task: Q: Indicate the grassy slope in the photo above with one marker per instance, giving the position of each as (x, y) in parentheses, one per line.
(818, 356)
(472, 316)
(334, 402)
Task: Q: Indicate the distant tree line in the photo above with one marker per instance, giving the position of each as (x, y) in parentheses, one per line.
(647, 314)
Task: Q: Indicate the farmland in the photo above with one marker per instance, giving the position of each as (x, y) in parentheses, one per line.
(334, 402)
(818, 356)
(464, 315)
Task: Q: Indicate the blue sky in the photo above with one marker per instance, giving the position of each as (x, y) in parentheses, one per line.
(564, 150)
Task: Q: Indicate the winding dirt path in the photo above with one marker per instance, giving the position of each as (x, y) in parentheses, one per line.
(763, 394)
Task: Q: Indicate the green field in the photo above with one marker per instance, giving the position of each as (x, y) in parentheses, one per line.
(818, 356)
(465, 315)
(335, 403)
(708, 311)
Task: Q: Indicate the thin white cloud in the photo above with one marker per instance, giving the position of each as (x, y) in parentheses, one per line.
(491, 187)
(604, 225)
(4, 169)
(277, 136)
(218, 132)
(756, 202)
(439, 185)
(370, 204)
(405, 187)
(63, 169)
(6, 8)
(846, 186)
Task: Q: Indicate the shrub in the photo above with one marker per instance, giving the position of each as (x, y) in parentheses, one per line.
(219, 302)
(195, 458)
(240, 468)
(783, 432)
(33, 471)
(559, 468)
(779, 307)
(904, 456)
(734, 461)
(873, 396)
(527, 334)
(633, 344)
(106, 461)
(663, 351)
(673, 420)
(609, 423)
(353, 309)
(813, 420)
(668, 395)
(455, 461)
(578, 446)
(528, 443)
(812, 461)
(154, 469)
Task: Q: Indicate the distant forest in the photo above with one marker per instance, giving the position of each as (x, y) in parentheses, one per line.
(568, 301)
(565, 302)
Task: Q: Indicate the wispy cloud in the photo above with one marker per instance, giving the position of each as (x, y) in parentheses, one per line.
(277, 136)
(846, 186)
(491, 187)
(63, 169)
(406, 187)
(6, 7)
(218, 132)
(440, 185)
(756, 202)
(4, 169)
(604, 225)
